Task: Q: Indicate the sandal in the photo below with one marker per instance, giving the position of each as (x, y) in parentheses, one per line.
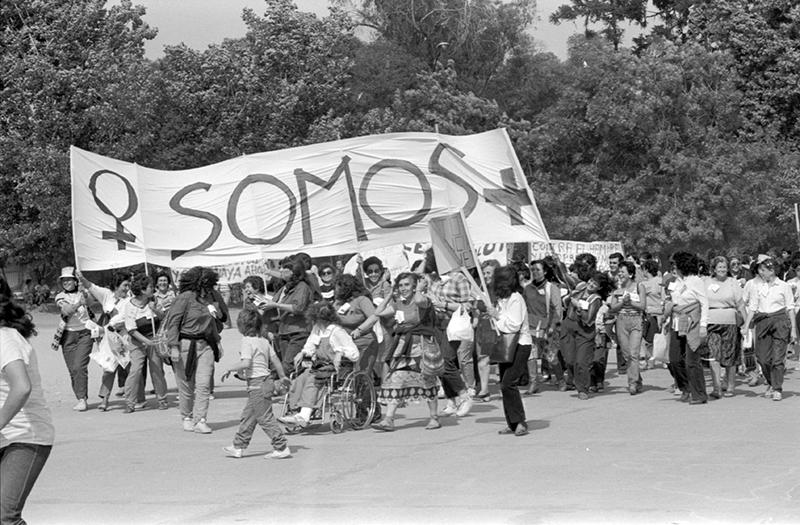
(433, 424)
(482, 397)
(506, 431)
(386, 425)
(522, 430)
(103, 406)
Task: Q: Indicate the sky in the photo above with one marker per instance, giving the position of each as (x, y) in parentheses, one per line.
(198, 23)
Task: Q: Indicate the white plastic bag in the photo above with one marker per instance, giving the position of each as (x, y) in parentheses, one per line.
(460, 326)
(104, 356)
(660, 348)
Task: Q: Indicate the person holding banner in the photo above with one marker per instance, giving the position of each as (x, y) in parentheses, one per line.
(141, 322)
(193, 339)
(75, 338)
(163, 295)
(414, 331)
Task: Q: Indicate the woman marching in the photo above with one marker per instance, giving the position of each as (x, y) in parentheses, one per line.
(771, 314)
(414, 331)
(511, 317)
(193, 339)
(725, 314)
(629, 304)
(543, 300)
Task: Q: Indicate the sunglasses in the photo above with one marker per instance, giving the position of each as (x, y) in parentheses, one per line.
(374, 272)
(327, 272)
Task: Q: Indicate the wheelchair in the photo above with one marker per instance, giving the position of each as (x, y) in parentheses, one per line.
(347, 399)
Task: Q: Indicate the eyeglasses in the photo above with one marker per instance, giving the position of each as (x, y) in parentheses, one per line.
(327, 272)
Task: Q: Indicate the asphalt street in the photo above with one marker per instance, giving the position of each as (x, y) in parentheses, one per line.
(615, 458)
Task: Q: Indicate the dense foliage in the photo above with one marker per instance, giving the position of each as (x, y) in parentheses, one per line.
(688, 138)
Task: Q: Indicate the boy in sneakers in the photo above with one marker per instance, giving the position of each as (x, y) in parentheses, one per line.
(255, 357)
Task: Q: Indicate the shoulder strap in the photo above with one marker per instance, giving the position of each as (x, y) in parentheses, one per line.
(547, 293)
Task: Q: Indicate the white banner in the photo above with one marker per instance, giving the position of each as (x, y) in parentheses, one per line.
(338, 197)
(567, 250)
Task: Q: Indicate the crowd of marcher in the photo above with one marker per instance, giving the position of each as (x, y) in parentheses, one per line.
(421, 335)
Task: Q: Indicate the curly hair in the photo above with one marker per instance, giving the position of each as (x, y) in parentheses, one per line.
(630, 267)
(321, 312)
(198, 279)
(605, 284)
(256, 282)
(650, 266)
(348, 287)
(13, 315)
(719, 259)
(161, 274)
(586, 265)
(139, 284)
(118, 278)
(549, 273)
(370, 261)
(506, 282)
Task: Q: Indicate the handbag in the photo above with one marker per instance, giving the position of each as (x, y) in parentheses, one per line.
(432, 362)
(660, 348)
(460, 326)
(504, 349)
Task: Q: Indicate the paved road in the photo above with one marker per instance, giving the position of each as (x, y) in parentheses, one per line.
(612, 459)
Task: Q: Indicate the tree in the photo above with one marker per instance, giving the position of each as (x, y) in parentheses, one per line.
(610, 13)
(68, 75)
(476, 35)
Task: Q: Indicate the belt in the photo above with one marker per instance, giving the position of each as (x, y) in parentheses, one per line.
(630, 314)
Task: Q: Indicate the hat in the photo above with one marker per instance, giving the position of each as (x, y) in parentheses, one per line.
(67, 272)
(770, 261)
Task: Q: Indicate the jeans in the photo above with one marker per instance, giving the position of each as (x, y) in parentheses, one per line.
(451, 380)
(629, 339)
(107, 382)
(467, 362)
(193, 391)
(20, 465)
(577, 346)
(772, 338)
(510, 374)
(77, 347)
(134, 384)
(259, 410)
(597, 376)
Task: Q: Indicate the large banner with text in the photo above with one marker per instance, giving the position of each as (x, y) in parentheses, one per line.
(325, 199)
(567, 250)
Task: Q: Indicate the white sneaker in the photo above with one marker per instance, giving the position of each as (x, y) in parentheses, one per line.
(465, 406)
(776, 396)
(471, 392)
(279, 454)
(202, 428)
(80, 406)
(768, 392)
(450, 408)
(233, 452)
(188, 425)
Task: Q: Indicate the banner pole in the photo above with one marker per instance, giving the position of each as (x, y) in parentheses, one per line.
(797, 222)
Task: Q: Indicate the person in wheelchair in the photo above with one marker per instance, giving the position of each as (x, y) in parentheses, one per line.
(325, 348)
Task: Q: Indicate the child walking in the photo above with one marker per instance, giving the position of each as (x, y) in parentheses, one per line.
(256, 356)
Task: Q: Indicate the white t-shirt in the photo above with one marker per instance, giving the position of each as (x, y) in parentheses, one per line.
(32, 424)
(256, 349)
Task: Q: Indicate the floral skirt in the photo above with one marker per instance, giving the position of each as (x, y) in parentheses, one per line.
(723, 344)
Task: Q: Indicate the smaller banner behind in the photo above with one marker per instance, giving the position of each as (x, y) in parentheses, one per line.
(567, 250)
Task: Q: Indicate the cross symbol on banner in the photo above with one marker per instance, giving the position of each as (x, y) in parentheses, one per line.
(511, 196)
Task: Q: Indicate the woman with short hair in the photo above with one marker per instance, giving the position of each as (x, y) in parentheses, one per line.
(771, 314)
(687, 310)
(543, 300)
(725, 315)
(628, 304)
(141, 323)
(327, 278)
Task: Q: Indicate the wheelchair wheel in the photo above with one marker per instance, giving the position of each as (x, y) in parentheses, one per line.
(358, 400)
(337, 422)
